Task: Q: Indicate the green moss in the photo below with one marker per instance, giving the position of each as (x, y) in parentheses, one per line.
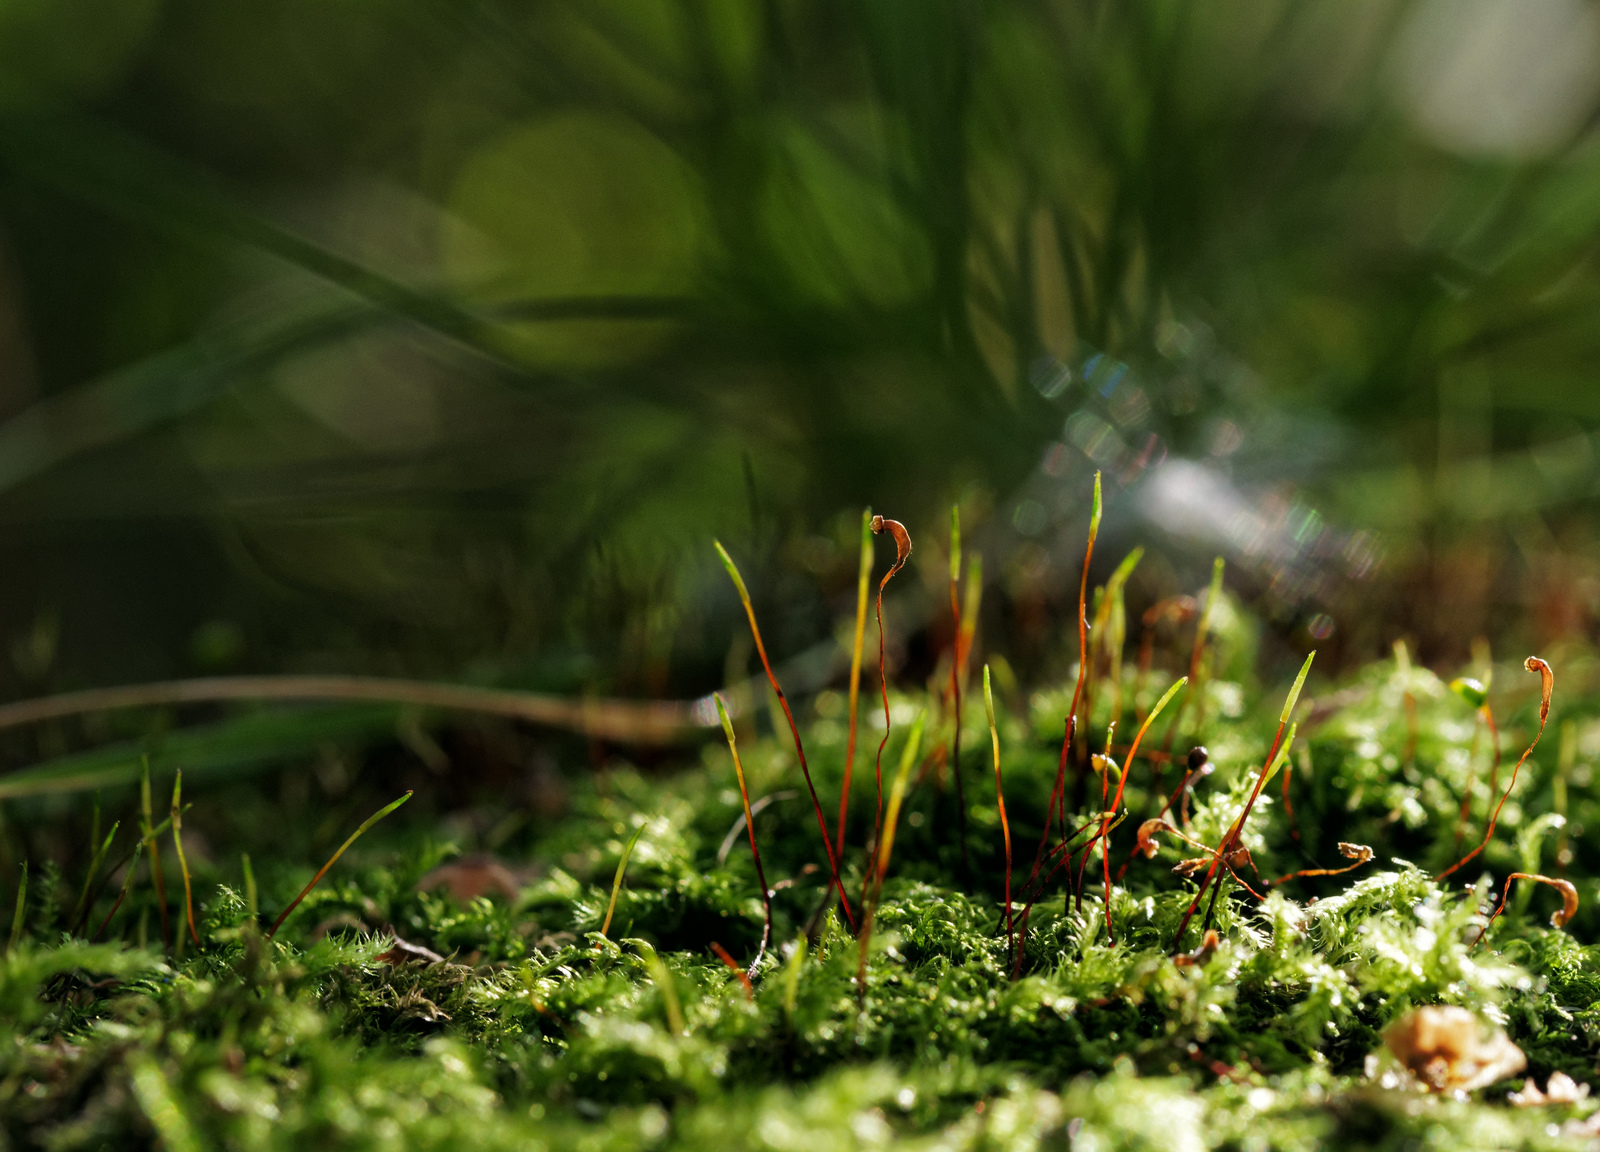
(537, 1032)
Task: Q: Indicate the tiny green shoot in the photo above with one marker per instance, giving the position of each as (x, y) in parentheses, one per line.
(18, 917)
(750, 827)
(794, 729)
(334, 859)
(616, 881)
(863, 588)
(183, 863)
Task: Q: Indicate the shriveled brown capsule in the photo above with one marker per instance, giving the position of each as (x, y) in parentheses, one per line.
(902, 541)
(1558, 919)
(1147, 837)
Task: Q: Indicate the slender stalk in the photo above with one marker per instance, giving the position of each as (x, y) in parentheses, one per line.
(750, 827)
(955, 684)
(1000, 801)
(334, 859)
(794, 729)
(1058, 794)
(1558, 919)
(153, 846)
(616, 881)
(1359, 853)
(95, 852)
(902, 553)
(1288, 805)
(80, 915)
(1080, 690)
(1116, 802)
(20, 914)
(106, 875)
(1476, 693)
(863, 585)
(183, 864)
(1547, 685)
(880, 861)
(127, 883)
(1237, 828)
(971, 603)
(249, 886)
(661, 976)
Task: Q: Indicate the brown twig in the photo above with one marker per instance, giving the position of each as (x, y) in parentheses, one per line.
(629, 721)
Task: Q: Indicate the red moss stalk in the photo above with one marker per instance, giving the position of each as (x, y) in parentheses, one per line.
(863, 581)
(955, 683)
(902, 553)
(1005, 824)
(1058, 794)
(794, 729)
(183, 864)
(750, 827)
(1558, 919)
(334, 859)
(878, 866)
(1230, 839)
(1103, 835)
(1547, 686)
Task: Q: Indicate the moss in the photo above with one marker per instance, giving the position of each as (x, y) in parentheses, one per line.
(537, 1032)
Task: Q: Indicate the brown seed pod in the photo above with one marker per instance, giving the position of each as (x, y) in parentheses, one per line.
(1147, 837)
(1558, 919)
(902, 541)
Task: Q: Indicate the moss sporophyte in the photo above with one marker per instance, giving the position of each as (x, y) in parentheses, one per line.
(630, 980)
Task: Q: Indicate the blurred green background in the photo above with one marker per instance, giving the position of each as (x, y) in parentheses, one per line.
(439, 338)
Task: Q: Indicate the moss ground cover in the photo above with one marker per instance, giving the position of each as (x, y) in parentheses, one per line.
(424, 996)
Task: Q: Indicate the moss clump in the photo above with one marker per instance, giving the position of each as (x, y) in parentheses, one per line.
(534, 1031)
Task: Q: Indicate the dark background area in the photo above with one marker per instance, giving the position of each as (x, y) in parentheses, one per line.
(439, 339)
